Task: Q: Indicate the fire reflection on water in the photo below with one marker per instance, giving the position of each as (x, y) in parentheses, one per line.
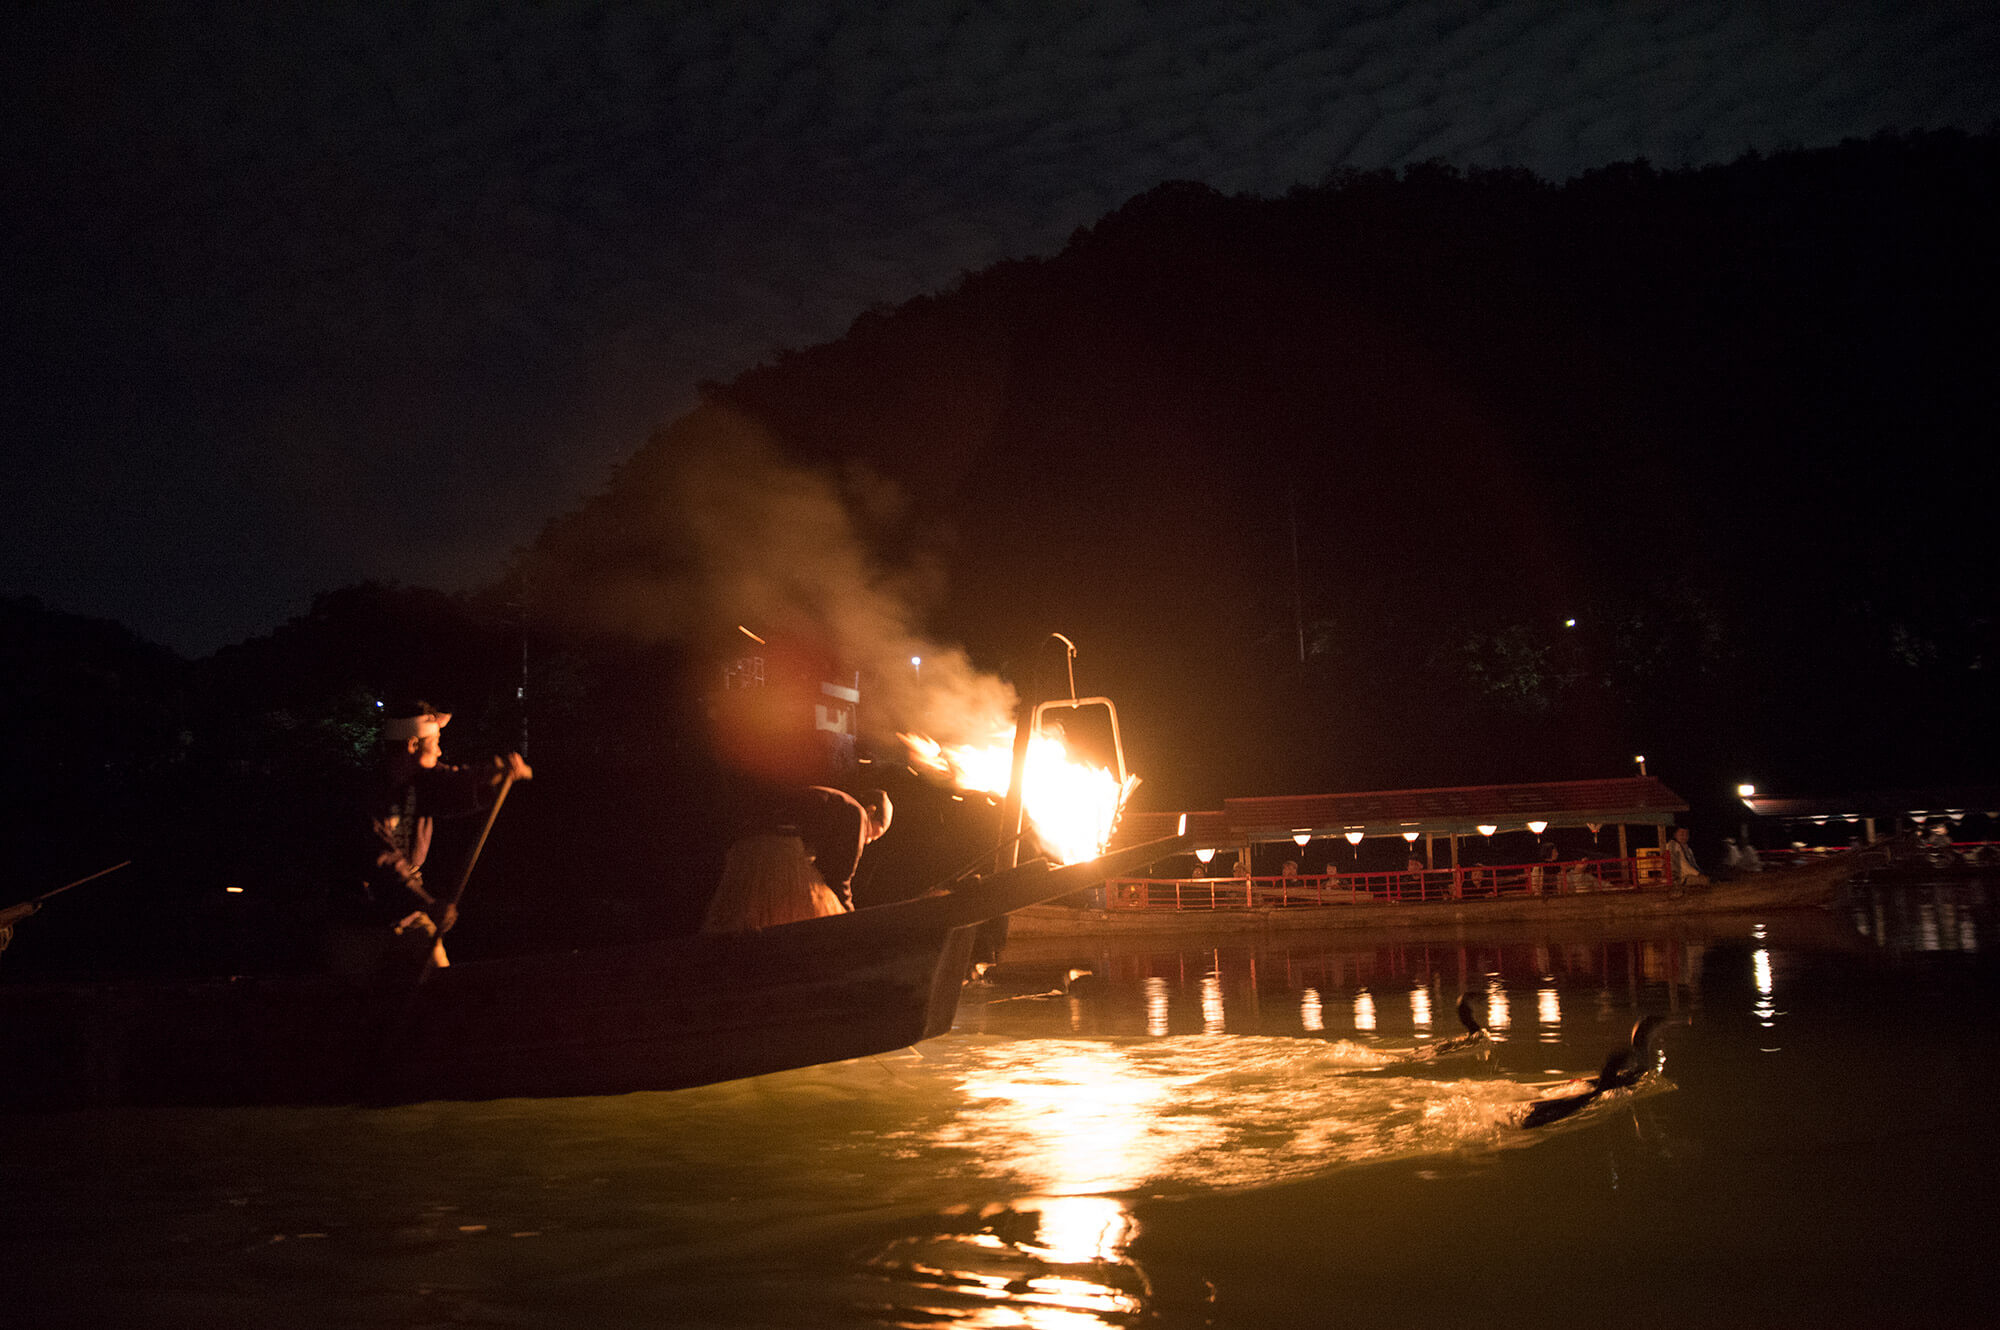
(1079, 1128)
(1080, 1121)
(1158, 1101)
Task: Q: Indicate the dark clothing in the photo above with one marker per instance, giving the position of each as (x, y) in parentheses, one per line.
(834, 827)
(398, 817)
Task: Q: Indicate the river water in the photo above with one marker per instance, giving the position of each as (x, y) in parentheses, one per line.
(1191, 1133)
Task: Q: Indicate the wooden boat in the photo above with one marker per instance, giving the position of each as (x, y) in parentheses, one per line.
(648, 1016)
(1807, 886)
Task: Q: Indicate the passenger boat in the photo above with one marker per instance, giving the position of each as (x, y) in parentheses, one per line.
(646, 1016)
(1810, 885)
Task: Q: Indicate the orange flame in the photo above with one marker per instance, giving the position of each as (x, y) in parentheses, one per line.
(1073, 805)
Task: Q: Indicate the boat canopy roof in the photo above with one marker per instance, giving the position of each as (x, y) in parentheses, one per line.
(1955, 801)
(1454, 811)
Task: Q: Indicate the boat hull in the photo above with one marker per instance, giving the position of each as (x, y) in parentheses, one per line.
(661, 1015)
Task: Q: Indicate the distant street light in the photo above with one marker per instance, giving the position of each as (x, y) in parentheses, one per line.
(1641, 760)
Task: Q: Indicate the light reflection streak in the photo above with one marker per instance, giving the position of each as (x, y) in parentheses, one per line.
(1497, 1015)
(1087, 1119)
(1420, 1007)
(1211, 1004)
(1548, 1010)
(1765, 1008)
(1311, 1014)
(1156, 1007)
(1364, 1010)
(1076, 1229)
(1070, 1270)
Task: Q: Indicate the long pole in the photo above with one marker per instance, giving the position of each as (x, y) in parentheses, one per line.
(80, 881)
(506, 784)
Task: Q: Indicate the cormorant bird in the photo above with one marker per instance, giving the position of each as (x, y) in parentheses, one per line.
(1622, 1067)
(1475, 1034)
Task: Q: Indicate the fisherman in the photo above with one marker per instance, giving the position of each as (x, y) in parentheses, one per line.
(799, 863)
(1682, 870)
(836, 827)
(394, 922)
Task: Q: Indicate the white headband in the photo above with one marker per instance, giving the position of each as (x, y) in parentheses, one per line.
(425, 726)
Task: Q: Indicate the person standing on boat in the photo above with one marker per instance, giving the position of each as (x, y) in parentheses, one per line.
(1682, 870)
(395, 922)
(800, 863)
(836, 827)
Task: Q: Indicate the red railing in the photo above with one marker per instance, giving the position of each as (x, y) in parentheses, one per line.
(1436, 884)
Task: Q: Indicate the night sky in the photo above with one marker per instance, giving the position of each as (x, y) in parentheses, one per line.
(306, 293)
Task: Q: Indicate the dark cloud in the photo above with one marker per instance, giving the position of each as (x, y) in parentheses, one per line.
(306, 292)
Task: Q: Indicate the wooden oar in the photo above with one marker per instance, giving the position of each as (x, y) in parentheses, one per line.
(465, 875)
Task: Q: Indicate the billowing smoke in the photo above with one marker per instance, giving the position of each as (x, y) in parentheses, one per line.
(712, 526)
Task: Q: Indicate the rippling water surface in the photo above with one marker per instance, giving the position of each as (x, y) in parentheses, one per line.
(1167, 1133)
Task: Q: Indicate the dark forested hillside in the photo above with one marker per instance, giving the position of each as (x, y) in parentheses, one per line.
(1436, 478)
(1734, 421)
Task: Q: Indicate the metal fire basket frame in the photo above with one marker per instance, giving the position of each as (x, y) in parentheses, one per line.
(1014, 816)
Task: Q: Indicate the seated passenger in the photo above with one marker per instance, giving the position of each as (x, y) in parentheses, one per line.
(767, 879)
(800, 865)
(1578, 877)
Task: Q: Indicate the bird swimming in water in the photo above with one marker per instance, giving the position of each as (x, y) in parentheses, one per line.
(1622, 1068)
(1475, 1035)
